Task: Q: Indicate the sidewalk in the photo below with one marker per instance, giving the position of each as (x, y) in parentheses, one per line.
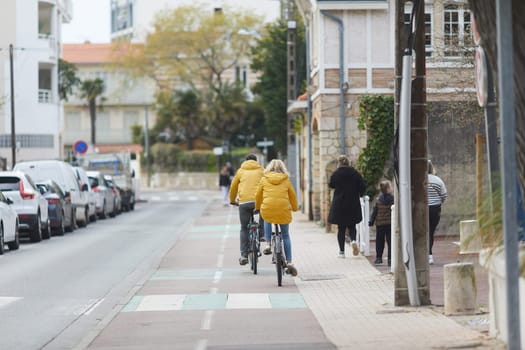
(353, 301)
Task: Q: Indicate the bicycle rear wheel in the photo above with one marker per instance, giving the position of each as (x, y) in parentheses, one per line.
(279, 267)
(254, 255)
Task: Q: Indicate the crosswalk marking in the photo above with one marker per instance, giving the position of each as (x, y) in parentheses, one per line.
(220, 301)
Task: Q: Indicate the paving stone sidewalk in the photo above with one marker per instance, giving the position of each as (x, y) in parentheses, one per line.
(354, 302)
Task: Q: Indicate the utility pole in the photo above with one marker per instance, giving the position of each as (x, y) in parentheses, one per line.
(418, 155)
(146, 146)
(12, 82)
(288, 13)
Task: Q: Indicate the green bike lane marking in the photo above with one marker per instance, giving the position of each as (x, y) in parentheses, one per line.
(220, 301)
(198, 274)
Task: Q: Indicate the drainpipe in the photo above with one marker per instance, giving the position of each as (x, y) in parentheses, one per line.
(309, 116)
(341, 77)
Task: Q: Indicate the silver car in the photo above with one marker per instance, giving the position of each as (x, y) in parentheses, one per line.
(105, 203)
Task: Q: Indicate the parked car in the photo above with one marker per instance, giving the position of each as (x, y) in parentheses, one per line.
(105, 203)
(85, 186)
(62, 173)
(8, 225)
(59, 207)
(116, 194)
(29, 204)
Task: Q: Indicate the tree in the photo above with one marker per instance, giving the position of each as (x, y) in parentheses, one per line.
(67, 79)
(193, 49)
(91, 90)
(270, 59)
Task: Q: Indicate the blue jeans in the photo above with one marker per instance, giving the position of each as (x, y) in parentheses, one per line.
(285, 235)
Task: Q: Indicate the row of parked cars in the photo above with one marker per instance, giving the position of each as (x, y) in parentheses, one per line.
(50, 197)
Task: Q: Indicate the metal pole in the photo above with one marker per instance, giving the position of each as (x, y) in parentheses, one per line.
(12, 81)
(146, 145)
(310, 119)
(508, 150)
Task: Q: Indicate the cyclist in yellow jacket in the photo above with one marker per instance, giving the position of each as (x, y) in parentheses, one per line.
(242, 192)
(276, 199)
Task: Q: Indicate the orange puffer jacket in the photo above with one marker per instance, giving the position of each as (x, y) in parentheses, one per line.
(276, 198)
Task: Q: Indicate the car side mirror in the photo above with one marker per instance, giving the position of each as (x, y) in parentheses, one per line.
(8, 200)
(133, 173)
(42, 190)
(84, 187)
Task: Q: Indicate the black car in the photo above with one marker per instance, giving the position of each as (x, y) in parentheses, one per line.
(59, 207)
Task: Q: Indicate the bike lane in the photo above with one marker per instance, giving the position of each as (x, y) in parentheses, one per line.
(201, 298)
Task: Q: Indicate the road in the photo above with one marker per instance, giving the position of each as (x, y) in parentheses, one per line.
(55, 292)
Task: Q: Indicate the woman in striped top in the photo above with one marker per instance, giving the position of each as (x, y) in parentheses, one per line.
(437, 193)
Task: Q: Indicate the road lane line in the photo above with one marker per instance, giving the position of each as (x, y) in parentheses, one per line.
(206, 321)
(93, 307)
(202, 344)
(217, 277)
(220, 260)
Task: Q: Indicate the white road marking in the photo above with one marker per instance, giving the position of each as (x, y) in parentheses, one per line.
(213, 290)
(217, 277)
(206, 321)
(161, 302)
(220, 260)
(155, 198)
(202, 344)
(94, 306)
(193, 198)
(4, 301)
(248, 301)
(174, 198)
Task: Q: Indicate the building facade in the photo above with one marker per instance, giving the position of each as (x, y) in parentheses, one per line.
(125, 102)
(367, 46)
(33, 29)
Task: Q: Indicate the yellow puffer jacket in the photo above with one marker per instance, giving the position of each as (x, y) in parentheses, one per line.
(245, 182)
(276, 198)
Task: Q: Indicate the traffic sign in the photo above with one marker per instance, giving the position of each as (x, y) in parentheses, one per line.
(80, 147)
(264, 143)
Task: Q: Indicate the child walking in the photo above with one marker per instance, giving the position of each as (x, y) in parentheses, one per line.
(381, 214)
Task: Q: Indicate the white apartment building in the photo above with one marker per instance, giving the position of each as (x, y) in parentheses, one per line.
(33, 28)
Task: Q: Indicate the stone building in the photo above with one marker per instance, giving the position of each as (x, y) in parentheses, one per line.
(363, 34)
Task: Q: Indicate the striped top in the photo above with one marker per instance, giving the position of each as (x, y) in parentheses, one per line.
(437, 192)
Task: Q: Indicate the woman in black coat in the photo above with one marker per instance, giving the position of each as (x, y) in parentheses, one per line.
(345, 211)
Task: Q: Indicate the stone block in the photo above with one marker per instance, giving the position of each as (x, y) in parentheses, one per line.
(470, 241)
(460, 289)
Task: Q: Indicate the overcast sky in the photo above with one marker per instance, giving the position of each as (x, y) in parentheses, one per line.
(91, 21)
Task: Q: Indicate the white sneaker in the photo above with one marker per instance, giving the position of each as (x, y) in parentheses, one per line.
(341, 255)
(430, 260)
(355, 248)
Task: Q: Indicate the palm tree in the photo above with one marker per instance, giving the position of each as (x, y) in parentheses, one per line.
(91, 90)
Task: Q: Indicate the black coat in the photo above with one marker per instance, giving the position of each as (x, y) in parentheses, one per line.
(349, 186)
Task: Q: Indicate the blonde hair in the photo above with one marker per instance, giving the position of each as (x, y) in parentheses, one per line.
(343, 160)
(384, 186)
(277, 166)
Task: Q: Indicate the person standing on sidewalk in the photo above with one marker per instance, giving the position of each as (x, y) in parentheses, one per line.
(381, 215)
(437, 193)
(345, 211)
(276, 199)
(242, 193)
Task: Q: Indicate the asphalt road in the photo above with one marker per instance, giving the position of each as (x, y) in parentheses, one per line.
(55, 292)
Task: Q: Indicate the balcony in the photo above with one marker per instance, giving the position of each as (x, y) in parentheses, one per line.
(352, 4)
(45, 96)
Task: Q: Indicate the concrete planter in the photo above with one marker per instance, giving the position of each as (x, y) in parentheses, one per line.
(495, 264)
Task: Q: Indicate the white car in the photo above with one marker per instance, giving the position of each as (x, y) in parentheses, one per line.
(8, 225)
(105, 204)
(62, 173)
(29, 204)
(85, 189)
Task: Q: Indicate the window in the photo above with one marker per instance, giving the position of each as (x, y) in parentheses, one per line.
(241, 75)
(45, 92)
(428, 31)
(73, 121)
(456, 31)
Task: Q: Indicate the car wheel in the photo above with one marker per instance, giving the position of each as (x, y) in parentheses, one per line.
(114, 212)
(84, 222)
(14, 245)
(103, 214)
(36, 233)
(72, 221)
(46, 230)
(2, 243)
(61, 226)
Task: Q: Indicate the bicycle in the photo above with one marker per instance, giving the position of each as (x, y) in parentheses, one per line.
(254, 246)
(278, 254)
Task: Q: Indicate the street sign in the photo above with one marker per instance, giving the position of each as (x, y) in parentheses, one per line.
(80, 147)
(218, 151)
(264, 143)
